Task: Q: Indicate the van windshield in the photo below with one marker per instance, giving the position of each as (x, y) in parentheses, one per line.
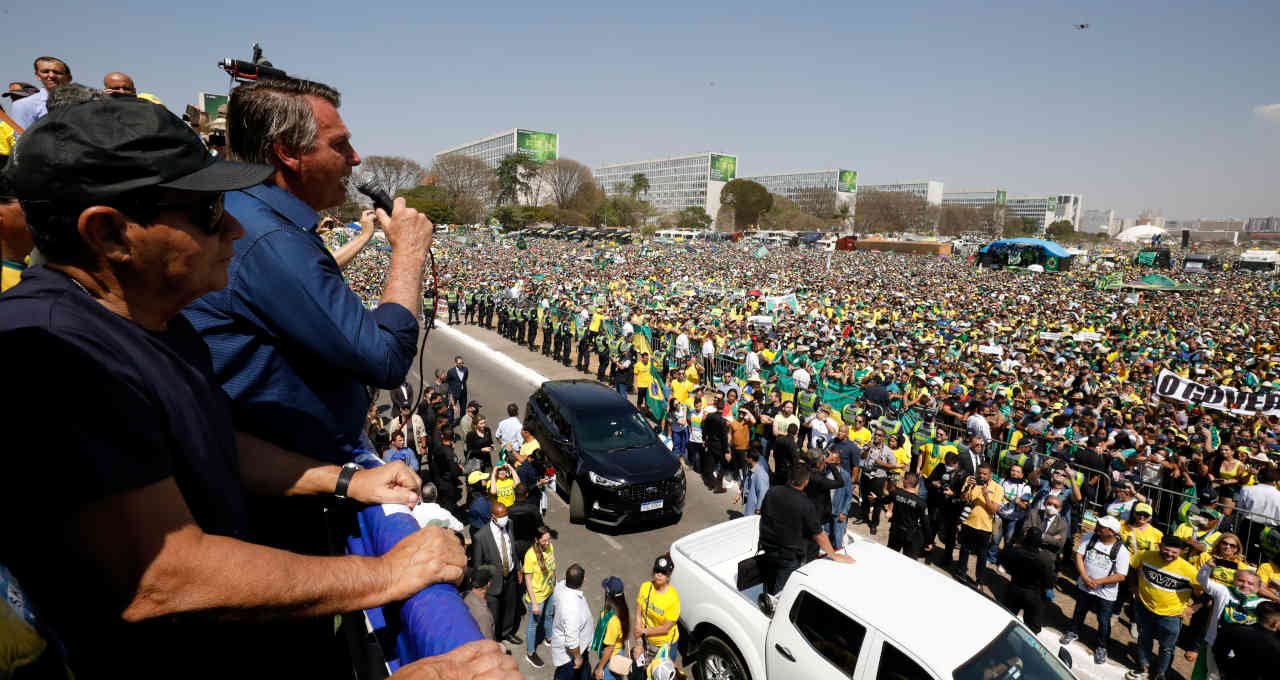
(613, 430)
(1014, 654)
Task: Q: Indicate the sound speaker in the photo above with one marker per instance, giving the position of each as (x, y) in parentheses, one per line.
(1186, 237)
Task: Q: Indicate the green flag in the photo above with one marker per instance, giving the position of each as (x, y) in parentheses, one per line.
(656, 398)
(521, 244)
(760, 253)
(1147, 257)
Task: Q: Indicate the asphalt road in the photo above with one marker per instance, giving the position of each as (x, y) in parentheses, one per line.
(626, 553)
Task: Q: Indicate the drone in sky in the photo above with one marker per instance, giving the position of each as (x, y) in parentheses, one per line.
(1081, 27)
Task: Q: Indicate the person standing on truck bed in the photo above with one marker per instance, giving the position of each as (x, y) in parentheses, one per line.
(788, 523)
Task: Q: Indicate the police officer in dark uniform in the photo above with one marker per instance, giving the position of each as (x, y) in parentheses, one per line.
(909, 527)
(602, 354)
(488, 302)
(584, 350)
(531, 322)
(548, 330)
(473, 303)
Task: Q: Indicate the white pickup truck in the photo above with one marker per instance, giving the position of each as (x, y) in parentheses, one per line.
(884, 617)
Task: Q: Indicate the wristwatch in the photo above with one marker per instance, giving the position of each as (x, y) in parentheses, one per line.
(344, 479)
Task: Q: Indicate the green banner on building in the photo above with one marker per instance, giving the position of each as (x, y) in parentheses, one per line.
(540, 146)
(848, 182)
(723, 168)
(1001, 197)
(209, 103)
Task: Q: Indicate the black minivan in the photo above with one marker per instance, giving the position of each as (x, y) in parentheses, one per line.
(606, 455)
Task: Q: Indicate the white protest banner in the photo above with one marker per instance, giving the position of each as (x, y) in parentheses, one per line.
(1046, 335)
(1170, 385)
(1088, 336)
(991, 349)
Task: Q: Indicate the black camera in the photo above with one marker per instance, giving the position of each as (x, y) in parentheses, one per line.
(217, 138)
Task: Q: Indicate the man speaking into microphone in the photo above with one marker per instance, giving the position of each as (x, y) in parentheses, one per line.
(291, 344)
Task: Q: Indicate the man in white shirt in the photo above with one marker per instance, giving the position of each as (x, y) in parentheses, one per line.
(753, 361)
(412, 427)
(572, 631)
(682, 345)
(508, 432)
(52, 72)
(1102, 560)
(977, 424)
(430, 513)
(1262, 500)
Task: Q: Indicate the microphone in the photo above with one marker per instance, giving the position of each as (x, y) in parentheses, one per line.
(378, 196)
(249, 71)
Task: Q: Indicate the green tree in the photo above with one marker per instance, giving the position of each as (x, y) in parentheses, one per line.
(1060, 229)
(1019, 226)
(511, 173)
(693, 217)
(639, 185)
(883, 212)
(749, 200)
(787, 214)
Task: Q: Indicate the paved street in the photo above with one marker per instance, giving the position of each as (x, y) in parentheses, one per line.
(503, 372)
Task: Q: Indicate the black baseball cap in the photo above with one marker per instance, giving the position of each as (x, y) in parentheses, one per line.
(89, 153)
(663, 565)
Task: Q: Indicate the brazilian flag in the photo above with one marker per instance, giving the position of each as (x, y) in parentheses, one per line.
(521, 244)
(656, 399)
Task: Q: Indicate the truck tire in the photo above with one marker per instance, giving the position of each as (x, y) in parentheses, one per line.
(577, 505)
(718, 660)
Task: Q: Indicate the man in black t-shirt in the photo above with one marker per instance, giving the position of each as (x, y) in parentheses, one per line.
(788, 523)
(909, 525)
(135, 555)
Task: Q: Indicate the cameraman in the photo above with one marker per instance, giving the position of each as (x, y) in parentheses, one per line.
(291, 344)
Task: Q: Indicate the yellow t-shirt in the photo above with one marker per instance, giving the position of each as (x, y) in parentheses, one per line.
(527, 449)
(1268, 570)
(505, 489)
(680, 390)
(979, 518)
(11, 274)
(903, 454)
(541, 582)
(1163, 587)
(932, 455)
(643, 376)
(1140, 539)
(1207, 538)
(860, 436)
(1225, 575)
(657, 608)
(613, 634)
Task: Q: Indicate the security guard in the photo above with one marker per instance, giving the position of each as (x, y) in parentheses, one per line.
(602, 354)
(584, 350)
(473, 302)
(548, 330)
(531, 323)
(451, 296)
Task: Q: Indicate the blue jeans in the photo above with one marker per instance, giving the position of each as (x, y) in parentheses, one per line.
(622, 388)
(1087, 602)
(835, 531)
(1163, 630)
(680, 443)
(542, 620)
(1008, 527)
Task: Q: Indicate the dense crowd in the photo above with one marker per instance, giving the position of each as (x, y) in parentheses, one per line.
(967, 427)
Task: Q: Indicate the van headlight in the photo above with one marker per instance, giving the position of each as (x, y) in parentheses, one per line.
(601, 480)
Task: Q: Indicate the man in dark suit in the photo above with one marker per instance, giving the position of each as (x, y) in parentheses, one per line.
(492, 545)
(456, 379)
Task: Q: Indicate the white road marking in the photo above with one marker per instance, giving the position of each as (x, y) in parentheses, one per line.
(528, 374)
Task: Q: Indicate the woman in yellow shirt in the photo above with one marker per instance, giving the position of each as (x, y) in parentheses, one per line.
(539, 581)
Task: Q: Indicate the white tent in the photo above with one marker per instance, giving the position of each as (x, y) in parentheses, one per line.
(1142, 232)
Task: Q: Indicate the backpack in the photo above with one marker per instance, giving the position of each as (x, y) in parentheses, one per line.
(1115, 550)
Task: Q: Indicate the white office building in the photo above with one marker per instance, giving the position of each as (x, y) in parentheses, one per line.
(1047, 210)
(800, 185)
(975, 199)
(675, 183)
(540, 146)
(930, 191)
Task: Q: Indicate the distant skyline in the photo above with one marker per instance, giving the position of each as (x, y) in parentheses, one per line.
(1172, 107)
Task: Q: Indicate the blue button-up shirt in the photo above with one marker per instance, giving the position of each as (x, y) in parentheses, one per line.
(292, 345)
(28, 110)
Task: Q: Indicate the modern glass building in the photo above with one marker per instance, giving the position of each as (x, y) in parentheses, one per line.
(796, 185)
(930, 190)
(540, 146)
(674, 183)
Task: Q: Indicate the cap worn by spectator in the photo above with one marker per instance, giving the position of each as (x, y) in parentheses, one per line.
(154, 150)
(612, 586)
(663, 565)
(1143, 508)
(1110, 522)
(477, 477)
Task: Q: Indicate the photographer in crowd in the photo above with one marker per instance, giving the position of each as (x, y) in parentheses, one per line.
(144, 564)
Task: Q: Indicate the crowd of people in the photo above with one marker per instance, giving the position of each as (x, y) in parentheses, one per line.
(970, 430)
(1008, 415)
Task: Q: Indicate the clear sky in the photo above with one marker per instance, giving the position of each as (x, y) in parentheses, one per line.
(1159, 105)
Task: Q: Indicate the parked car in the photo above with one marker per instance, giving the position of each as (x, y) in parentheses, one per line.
(606, 455)
(885, 616)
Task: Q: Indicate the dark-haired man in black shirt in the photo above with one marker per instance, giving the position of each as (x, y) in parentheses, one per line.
(788, 524)
(909, 525)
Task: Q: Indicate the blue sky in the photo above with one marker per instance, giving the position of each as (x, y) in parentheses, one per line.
(1156, 105)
